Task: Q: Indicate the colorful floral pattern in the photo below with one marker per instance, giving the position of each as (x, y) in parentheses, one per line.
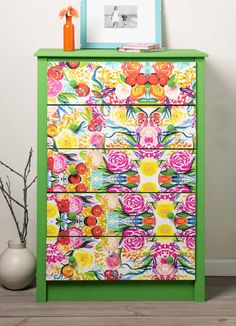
(121, 171)
(121, 174)
(124, 215)
(121, 82)
(122, 258)
(121, 127)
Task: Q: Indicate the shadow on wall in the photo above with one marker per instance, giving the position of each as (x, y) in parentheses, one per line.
(220, 167)
(220, 106)
(163, 23)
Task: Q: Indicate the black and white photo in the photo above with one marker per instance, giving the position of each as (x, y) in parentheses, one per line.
(120, 16)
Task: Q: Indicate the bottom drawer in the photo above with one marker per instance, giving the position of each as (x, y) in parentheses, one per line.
(120, 258)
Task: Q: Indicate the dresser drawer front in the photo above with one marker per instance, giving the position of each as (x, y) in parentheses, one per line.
(122, 127)
(116, 258)
(121, 82)
(121, 171)
(112, 214)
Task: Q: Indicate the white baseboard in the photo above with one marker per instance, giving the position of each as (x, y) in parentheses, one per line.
(221, 267)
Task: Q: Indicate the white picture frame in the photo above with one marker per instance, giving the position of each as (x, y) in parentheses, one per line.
(112, 23)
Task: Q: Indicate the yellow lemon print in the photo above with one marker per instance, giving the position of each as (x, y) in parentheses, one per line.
(120, 115)
(164, 207)
(52, 231)
(87, 211)
(67, 140)
(148, 187)
(177, 115)
(71, 188)
(87, 231)
(84, 259)
(149, 167)
(165, 230)
(52, 210)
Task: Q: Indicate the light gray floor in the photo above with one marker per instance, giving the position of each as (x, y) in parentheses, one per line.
(19, 309)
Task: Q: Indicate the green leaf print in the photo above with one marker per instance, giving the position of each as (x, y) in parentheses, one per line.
(66, 97)
(99, 246)
(184, 263)
(146, 263)
(183, 215)
(131, 185)
(122, 77)
(146, 214)
(83, 64)
(91, 276)
(131, 173)
(167, 185)
(146, 227)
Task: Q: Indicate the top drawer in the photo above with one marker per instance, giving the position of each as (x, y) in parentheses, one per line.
(121, 82)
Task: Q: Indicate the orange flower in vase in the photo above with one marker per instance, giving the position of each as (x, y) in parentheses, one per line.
(69, 29)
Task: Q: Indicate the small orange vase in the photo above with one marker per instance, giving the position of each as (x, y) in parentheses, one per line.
(69, 35)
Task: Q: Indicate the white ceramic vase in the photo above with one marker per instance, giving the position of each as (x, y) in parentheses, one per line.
(17, 266)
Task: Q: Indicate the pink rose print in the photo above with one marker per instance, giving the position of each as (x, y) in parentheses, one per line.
(117, 162)
(118, 188)
(76, 204)
(59, 163)
(113, 262)
(190, 242)
(180, 189)
(190, 204)
(97, 139)
(134, 238)
(181, 161)
(58, 188)
(75, 235)
(53, 255)
(133, 204)
(54, 87)
(188, 237)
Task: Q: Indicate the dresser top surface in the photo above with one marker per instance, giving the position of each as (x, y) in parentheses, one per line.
(113, 53)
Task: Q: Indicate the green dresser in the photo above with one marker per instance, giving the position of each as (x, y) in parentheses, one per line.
(120, 175)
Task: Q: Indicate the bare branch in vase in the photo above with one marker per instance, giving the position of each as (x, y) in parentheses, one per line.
(9, 203)
(10, 200)
(12, 170)
(32, 183)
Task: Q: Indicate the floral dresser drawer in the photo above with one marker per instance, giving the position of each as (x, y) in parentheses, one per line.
(89, 126)
(120, 258)
(97, 215)
(121, 170)
(87, 82)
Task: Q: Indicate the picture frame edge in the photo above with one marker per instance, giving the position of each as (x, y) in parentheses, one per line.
(97, 45)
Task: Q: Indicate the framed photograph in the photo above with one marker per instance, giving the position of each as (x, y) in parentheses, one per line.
(112, 23)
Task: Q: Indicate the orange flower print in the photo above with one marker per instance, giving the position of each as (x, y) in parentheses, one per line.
(131, 79)
(82, 90)
(165, 67)
(153, 79)
(163, 78)
(131, 68)
(158, 91)
(55, 72)
(137, 91)
(52, 131)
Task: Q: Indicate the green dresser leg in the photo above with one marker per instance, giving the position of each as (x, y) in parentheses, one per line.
(42, 181)
(200, 241)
